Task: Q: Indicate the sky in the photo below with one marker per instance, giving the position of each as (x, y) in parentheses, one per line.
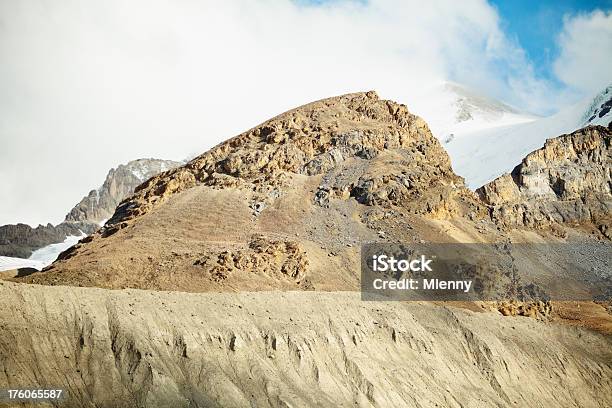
(536, 25)
(86, 85)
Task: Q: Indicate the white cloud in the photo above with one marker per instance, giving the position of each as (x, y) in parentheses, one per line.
(585, 59)
(87, 85)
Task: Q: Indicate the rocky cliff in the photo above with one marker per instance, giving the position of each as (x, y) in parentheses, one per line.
(313, 140)
(568, 181)
(288, 204)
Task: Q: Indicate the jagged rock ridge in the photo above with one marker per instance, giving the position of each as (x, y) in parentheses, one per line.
(566, 181)
(99, 205)
(286, 206)
(314, 184)
(21, 240)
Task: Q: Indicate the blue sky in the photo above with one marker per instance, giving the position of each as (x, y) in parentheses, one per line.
(535, 25)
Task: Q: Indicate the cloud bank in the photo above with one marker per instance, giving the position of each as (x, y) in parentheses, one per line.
(585, 60)
(87, 85)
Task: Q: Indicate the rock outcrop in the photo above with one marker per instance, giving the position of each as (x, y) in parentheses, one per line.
(568, 181)
(288, 204)
(269, 227)
(99, 205)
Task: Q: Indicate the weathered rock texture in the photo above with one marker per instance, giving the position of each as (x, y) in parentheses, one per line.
(288, 204)
(285, 207)
(298, 349)
(568, 181)
(99, 205)
(313, 140)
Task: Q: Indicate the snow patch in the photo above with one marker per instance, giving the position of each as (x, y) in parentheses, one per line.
(8, 263)
(138, 169)
(46, 255)
(599, 111)
(40, 258)
(452, 110)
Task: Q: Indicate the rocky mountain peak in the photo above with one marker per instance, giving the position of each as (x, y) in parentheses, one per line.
(262, 209)
(312, 140)
(21, 240)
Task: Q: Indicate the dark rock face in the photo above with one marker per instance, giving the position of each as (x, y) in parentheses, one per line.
(598, 113)
(21, 240)
(602, 104)
(566, 181)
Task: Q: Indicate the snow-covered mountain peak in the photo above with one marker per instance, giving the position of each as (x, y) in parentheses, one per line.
(481, 155)
(471, 104)
(599, 112)
(452, 109)
(143, 169)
